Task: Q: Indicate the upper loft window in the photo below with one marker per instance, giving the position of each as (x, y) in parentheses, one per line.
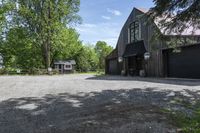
(134, 31)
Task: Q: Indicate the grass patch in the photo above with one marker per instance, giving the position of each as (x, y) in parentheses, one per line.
(85, 73)
(187, 124)
(166, 111)
(96, 73)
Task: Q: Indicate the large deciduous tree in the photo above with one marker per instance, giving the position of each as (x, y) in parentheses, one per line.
(45, 19)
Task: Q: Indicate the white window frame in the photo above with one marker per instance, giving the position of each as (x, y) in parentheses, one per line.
(68, 68)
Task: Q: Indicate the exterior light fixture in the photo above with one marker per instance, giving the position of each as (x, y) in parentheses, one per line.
(147, 56)
(120, 59)
(49, 70)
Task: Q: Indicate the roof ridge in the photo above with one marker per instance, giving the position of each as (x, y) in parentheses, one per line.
(144, 10)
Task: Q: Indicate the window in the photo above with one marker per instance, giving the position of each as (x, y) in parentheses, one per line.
(67, 66)
(60, 66)
(134, 31)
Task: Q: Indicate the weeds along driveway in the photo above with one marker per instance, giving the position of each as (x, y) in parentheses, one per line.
(88, 104)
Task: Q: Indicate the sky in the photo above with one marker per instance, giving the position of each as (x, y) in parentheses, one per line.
(102, 20)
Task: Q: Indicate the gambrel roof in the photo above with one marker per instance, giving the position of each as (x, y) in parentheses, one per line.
(188, 31)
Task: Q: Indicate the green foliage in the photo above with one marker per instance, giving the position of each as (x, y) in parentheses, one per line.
(87, 59)
(180, 12)
(102, 49)
(67, 45)
(4, 8)
(19, 50)
(188, 123)
(37, 33)
(44, 20)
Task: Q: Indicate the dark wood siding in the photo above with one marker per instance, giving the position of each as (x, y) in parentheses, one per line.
(124, 36)
(146, 33)
(155, 64)
(113, 67)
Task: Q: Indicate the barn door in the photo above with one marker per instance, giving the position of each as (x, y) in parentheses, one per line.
(185, 64)
(113, 67)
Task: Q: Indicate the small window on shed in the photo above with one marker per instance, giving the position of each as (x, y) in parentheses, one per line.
(67, 66)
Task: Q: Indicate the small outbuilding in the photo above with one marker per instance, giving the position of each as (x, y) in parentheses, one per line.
(65, 66)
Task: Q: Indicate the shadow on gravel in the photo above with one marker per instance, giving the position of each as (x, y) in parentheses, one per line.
(109, 111)
(173, 81)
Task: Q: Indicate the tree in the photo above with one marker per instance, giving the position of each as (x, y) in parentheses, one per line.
(44, 19)
(5, 7)
(37, 32)
(92, 57)
(177, 15)
(87, 59)
(67, 45)
(102, 49)
(19, 50)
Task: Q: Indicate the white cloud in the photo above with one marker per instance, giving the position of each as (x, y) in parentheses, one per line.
(86, 28)
(114, 12)
(89, 25)
(111, 41)
(107, 31)
(106, 17)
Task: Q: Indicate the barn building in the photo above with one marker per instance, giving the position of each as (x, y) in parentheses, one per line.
(139, 52)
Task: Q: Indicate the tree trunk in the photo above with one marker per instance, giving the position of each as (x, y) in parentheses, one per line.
(47, 54)
(48, 41)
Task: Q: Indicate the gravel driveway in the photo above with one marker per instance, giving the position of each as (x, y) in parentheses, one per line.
(89, 104)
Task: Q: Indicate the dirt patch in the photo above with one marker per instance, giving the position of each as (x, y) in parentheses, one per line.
(52, 114)
(125, 118)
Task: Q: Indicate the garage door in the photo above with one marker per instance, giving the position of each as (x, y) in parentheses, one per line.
(185, 64)
(113, 67)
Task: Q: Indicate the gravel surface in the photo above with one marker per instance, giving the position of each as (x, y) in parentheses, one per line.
(89, 104)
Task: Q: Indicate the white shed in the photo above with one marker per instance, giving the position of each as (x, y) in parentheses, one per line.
(65, 66)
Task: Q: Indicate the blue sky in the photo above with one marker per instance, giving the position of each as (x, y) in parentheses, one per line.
(103, 19)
